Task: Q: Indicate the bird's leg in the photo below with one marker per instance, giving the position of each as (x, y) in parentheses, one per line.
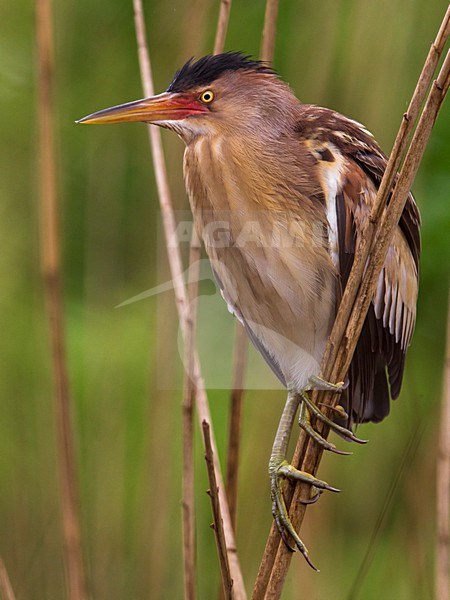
(280, 469)
(308, 408)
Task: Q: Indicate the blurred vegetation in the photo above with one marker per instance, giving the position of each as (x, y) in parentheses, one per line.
(360, 57)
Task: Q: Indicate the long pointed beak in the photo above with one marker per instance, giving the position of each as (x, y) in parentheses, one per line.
(164, 107)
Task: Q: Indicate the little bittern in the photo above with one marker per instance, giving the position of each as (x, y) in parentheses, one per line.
(292, 186)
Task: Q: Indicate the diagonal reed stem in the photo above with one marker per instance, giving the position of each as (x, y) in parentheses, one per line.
(359, 291)
(404, 134)
(51, 275)
(176, 268)
(213, 493)
(390, 218)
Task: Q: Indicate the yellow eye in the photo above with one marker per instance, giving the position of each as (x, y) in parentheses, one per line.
(207, 97)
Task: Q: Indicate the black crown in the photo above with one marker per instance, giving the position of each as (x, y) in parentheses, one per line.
(207, 69)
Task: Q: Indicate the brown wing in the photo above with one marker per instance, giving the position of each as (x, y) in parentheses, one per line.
(389, 325)
(388, 328)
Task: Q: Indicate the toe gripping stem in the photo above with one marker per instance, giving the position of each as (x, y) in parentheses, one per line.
(283, 522)
(280, 469)
(308, 408)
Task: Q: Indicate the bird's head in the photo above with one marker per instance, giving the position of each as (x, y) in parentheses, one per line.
(215, 94)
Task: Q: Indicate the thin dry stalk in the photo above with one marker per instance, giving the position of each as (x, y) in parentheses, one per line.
(50, 266)
(193, 20)
(442, 559)
(222, 26)
(273, 567)
(234, 433)
(239, 352)
(189, 386)
(269, 31)
(188, 501)
(213, 493)
(176, 268)
(6, 590)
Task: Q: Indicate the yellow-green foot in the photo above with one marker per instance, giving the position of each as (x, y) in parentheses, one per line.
(280, 469)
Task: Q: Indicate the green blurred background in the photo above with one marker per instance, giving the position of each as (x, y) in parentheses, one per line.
(361, 58)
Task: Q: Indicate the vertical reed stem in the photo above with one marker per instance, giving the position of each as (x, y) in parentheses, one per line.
(176, 268)
(222, 26)
(234, 433)
(6, 589)
(188, 423)
(442, 558)
(50, 266)
(269, 31)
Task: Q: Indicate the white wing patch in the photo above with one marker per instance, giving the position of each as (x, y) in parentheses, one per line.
(396, 295)
(330, 174)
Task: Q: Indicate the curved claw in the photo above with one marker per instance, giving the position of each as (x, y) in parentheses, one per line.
(310, 563)
(346, 433)
(285, 526)
(340, 452)
(280, 527)
(312, 500)
(304, 423)
(358, 440)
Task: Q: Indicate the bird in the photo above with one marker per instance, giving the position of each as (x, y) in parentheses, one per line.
(291, 186)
